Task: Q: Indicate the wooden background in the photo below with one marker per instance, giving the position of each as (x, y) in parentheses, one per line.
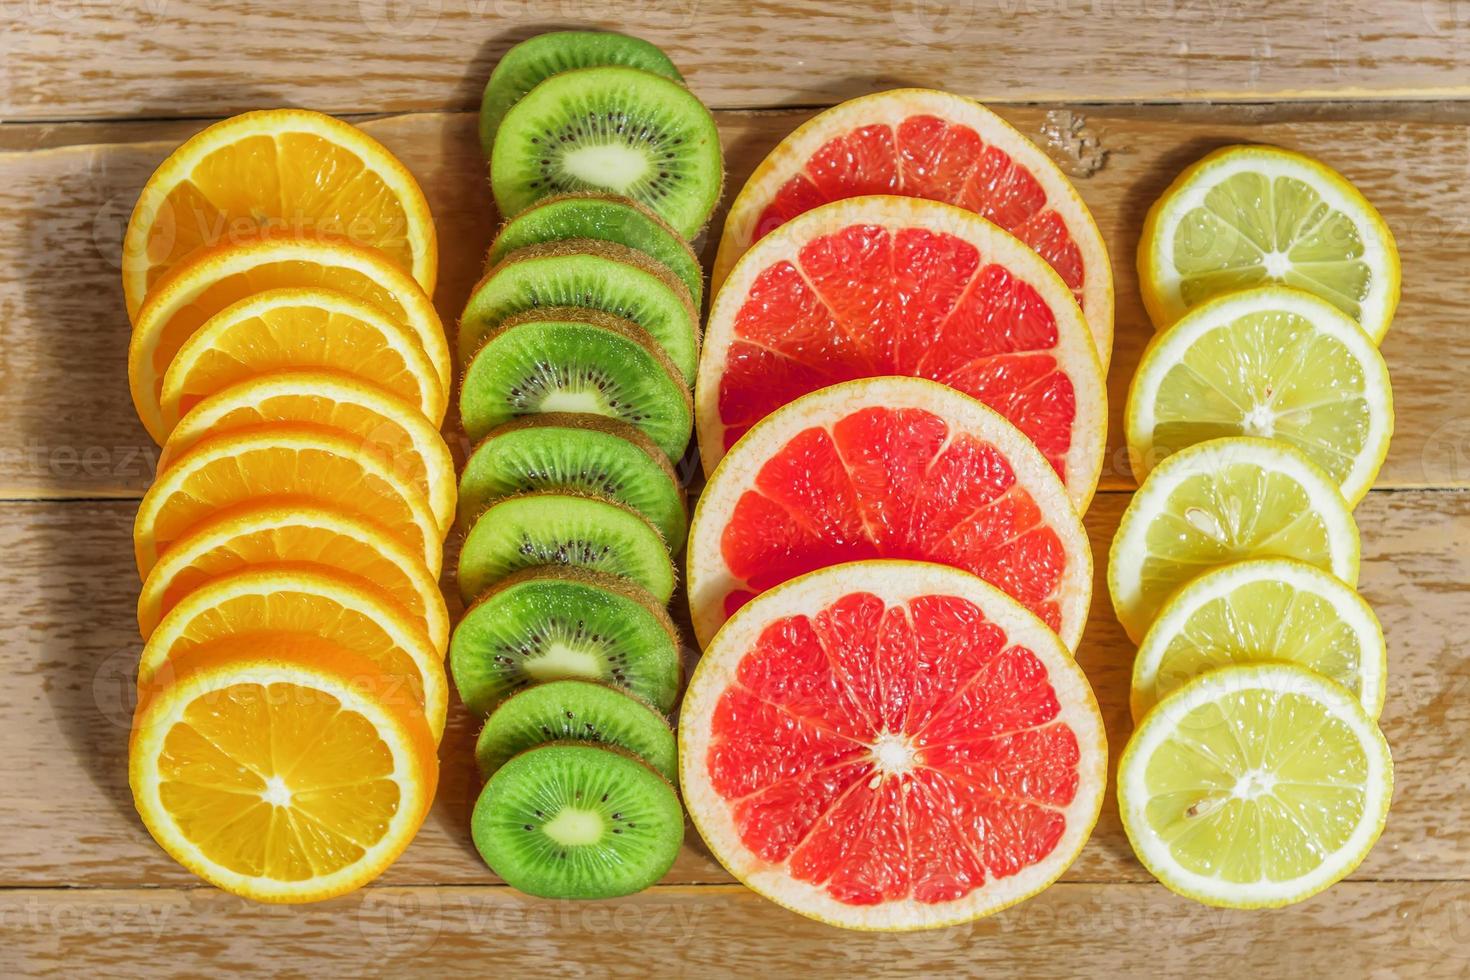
(94, 93)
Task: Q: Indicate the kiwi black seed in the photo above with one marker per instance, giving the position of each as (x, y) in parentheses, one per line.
(570, 820)
(565, 359)
(545, 624)
(585, 454)
(529, 63)
(616, 130)
(591, 274)
(562, 530)
(601, 217)
(582, 711)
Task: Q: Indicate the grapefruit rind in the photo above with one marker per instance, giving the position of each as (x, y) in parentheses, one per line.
(709, 579)
(893, 582)
(891, 108)
(1075, 352)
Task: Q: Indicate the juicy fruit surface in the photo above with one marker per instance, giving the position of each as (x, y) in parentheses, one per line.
(219, 790)
(827, 307)
(1271, 362)
(615, 130)
(565, 360)
(580, 711)
(578, 822)
(917, 751)
(545, 625)
(567, 452)
(1255, 786)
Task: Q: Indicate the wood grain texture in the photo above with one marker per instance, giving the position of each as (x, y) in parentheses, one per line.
(67, 192)
(1072, 930)
(72, 646)
(70, 59)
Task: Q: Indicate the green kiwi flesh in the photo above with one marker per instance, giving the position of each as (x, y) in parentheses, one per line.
(582, 711)
(595, 275)
(544, 625)
(615, 130)
(569, 360)
(564, 530)
(577, 821)
(585, 454)
(603, 218)
(531, 62)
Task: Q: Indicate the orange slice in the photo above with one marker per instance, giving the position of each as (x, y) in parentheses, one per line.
(280, 771)
(282, 329)
(274, 172)
(273, 599)
(297, 533)
(282, 460)
(396, 431)
(214, 278)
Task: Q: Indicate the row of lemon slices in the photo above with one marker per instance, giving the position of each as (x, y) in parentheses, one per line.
(1260, 414)
(286, 354)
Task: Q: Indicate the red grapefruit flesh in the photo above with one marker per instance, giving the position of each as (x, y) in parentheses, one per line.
(891, 745)
(941, 147)
(888, 468)
(876, 286)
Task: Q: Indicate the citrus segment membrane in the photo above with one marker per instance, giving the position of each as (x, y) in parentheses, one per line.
(888, 468)
(891, 286)
(891, 745)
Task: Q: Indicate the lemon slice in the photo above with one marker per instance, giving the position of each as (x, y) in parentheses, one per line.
(1271, 609)
(1255, 786)
(1272, 361)
(1219, 502)
(1247, 215)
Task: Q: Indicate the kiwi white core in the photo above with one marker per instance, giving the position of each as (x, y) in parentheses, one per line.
(581, 400)
(560, 662)
(574, 827)
(613, 165)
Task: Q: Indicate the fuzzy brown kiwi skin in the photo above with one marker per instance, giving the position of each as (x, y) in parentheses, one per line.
(590, 421)
(607, 250)
(607, 748)
(600, 580)
(597, 318)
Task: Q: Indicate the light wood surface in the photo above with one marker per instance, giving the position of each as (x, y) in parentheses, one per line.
(93, 95)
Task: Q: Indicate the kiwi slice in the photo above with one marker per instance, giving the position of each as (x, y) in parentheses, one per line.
(591, 274)
(565, 359)
(564, 530)
(584, 711)
(612, 129)
(570, 820)
(610, 219)
(531, 62)
(546, 624)
(586, 454)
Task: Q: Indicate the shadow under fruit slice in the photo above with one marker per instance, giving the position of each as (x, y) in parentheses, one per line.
(617, 130)
(573, 821)
(581, 711)
(592, 274)
(532, 61)
(619, 220)
(550, 624)
(580, 453)
(563, 359)
(563, 530)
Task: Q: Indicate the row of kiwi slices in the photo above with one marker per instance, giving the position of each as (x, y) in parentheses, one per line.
(579, 347)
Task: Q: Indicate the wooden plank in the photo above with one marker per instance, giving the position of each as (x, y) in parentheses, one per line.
(70, 588)
(67, 192)
(146, 58)
(1355, 929)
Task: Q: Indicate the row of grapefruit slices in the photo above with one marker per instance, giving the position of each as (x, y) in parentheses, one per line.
(901, 409)
(286, 354)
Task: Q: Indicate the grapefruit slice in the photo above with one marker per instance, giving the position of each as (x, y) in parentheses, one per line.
(891, 745)
(895, 286)
(888, 468)
(921, 143)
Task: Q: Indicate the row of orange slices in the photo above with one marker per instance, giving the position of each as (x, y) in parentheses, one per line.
(286, 354)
